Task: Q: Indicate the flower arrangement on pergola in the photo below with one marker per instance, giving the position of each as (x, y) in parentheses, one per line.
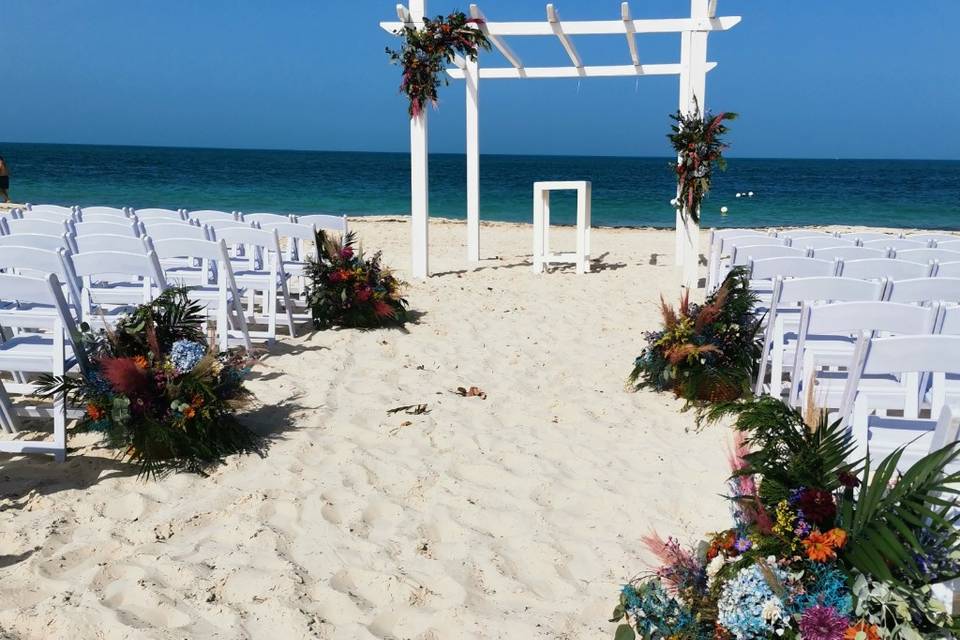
(415, 28)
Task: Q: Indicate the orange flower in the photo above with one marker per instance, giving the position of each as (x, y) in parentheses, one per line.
(819, 547)
(189, 412)
(95, 412)
(837, 538)
(871, 632)
(197, 400)
(141, 362)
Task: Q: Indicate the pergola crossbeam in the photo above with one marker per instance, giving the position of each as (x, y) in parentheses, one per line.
(631, 33)
(554, 19)
(495, 40)
(596, 27)
(602, 71)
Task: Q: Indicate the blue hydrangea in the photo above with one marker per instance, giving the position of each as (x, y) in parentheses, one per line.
(658, 615)
(828, 589)
(742, 602)
(184, 355)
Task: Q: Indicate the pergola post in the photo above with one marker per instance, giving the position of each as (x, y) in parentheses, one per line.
(472, 76)
(693, 89)
(419, 175)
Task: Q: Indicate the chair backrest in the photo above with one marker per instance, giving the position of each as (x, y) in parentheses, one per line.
(875, 268)
(49, 216)
(924, 256)
(949, 321)
(896, 244)
(158, 214)
(208, 215)
(174, 230)
(339, 224)
(108, 265)
(794, 291)
(951, 245)
(727, 244)
(790, 267)
(932, 237)
(821, 242)
(295, 234)
(42, 227)
(849, 253)
(110, 242)
(225, 224)
(128, 228)
(37, 241)
(743, 254)
(867, 236)
(847, 318)
(266, 218)
(66, 212)
(795, 234)
(948, 270)
(35, 262)
(918, 290)
(103, 211)
(200, 249)
(248, 235)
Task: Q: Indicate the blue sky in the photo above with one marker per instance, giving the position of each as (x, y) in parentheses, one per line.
(826, 79)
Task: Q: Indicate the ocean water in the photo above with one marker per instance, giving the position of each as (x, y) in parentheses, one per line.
(626, 191)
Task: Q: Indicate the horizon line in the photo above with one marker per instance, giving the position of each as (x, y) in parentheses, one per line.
(451, 153)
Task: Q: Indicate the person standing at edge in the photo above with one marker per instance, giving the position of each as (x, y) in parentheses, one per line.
(4, 180)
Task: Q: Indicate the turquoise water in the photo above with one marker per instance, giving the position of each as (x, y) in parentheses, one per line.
(626, 191)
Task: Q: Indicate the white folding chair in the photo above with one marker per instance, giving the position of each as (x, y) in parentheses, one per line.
(109, 242)
(767, 269)
(37, 262)
(877, 268)
(742, 255)
(924, 290)
(867, 236)
(123, 227)
(822, 242)
(948, 270)
(925, 256)
(295, 238)
(951, 245)
(795, 234)
(113, 282)
(65, 212)
(205, 216)
(48, 347)
(783, 319)
(100, 212)
(904, 357)
(849, 253)
(862, 321)
(261, 269)
(896, 244)
(49, 216)
(158, 215)
(217, 289)
(36, 240)
(266, 218)
(42, 227)
(339, 224)
(936, 238)
(722, 246)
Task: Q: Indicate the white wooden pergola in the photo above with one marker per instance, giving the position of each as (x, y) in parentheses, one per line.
(692, 71)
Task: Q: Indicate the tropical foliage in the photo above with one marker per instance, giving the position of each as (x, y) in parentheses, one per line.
(157, 392)
(820, 548)
(704, 353)
(347, 289)
(426, 51)
(698, 143)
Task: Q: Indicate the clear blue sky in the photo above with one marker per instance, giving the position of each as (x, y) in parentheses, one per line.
(824, 78)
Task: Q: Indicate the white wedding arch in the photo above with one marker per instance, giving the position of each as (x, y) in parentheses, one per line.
(692, 71)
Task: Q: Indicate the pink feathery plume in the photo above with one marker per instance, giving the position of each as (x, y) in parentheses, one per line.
(736, 453)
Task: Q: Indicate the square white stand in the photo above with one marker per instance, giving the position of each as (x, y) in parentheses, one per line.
(541, 225)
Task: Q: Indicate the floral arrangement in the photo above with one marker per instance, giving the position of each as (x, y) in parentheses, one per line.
(347, 289)
(698, 144)
(820, 548)
(156, 390)
(704, 353)
(427, 50)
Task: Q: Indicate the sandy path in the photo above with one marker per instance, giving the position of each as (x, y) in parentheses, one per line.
(517, 516)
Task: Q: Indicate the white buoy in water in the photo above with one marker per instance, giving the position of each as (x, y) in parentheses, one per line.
(673, 202)
(739, 194)
(750, 194)
(724, 210)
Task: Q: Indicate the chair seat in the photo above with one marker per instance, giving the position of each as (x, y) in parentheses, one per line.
(885, 392)
(885, 435)
(31, 353)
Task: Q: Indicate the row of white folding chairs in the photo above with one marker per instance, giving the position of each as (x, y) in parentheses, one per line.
(725, 245)
(764, 271)
(791, 295)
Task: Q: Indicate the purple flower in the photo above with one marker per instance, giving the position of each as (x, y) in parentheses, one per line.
(743, 545)
(823, 623)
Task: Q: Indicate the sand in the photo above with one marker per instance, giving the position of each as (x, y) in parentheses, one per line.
(514, 516)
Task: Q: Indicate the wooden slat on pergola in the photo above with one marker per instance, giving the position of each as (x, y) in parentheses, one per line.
(692, 70)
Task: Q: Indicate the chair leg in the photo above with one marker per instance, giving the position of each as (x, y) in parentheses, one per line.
(60, 427)
(8, 415)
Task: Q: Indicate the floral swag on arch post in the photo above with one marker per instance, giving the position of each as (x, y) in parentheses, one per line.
(426, 51)
(697, 141)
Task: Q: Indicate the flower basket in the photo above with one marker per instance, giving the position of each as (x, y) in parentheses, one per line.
(157, 392)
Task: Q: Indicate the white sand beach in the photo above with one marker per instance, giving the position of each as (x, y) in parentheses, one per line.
(514, 516)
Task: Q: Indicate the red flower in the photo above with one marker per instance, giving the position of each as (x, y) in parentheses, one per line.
(346, 253)
(817, 505)
(364, 294)
(383, 310)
